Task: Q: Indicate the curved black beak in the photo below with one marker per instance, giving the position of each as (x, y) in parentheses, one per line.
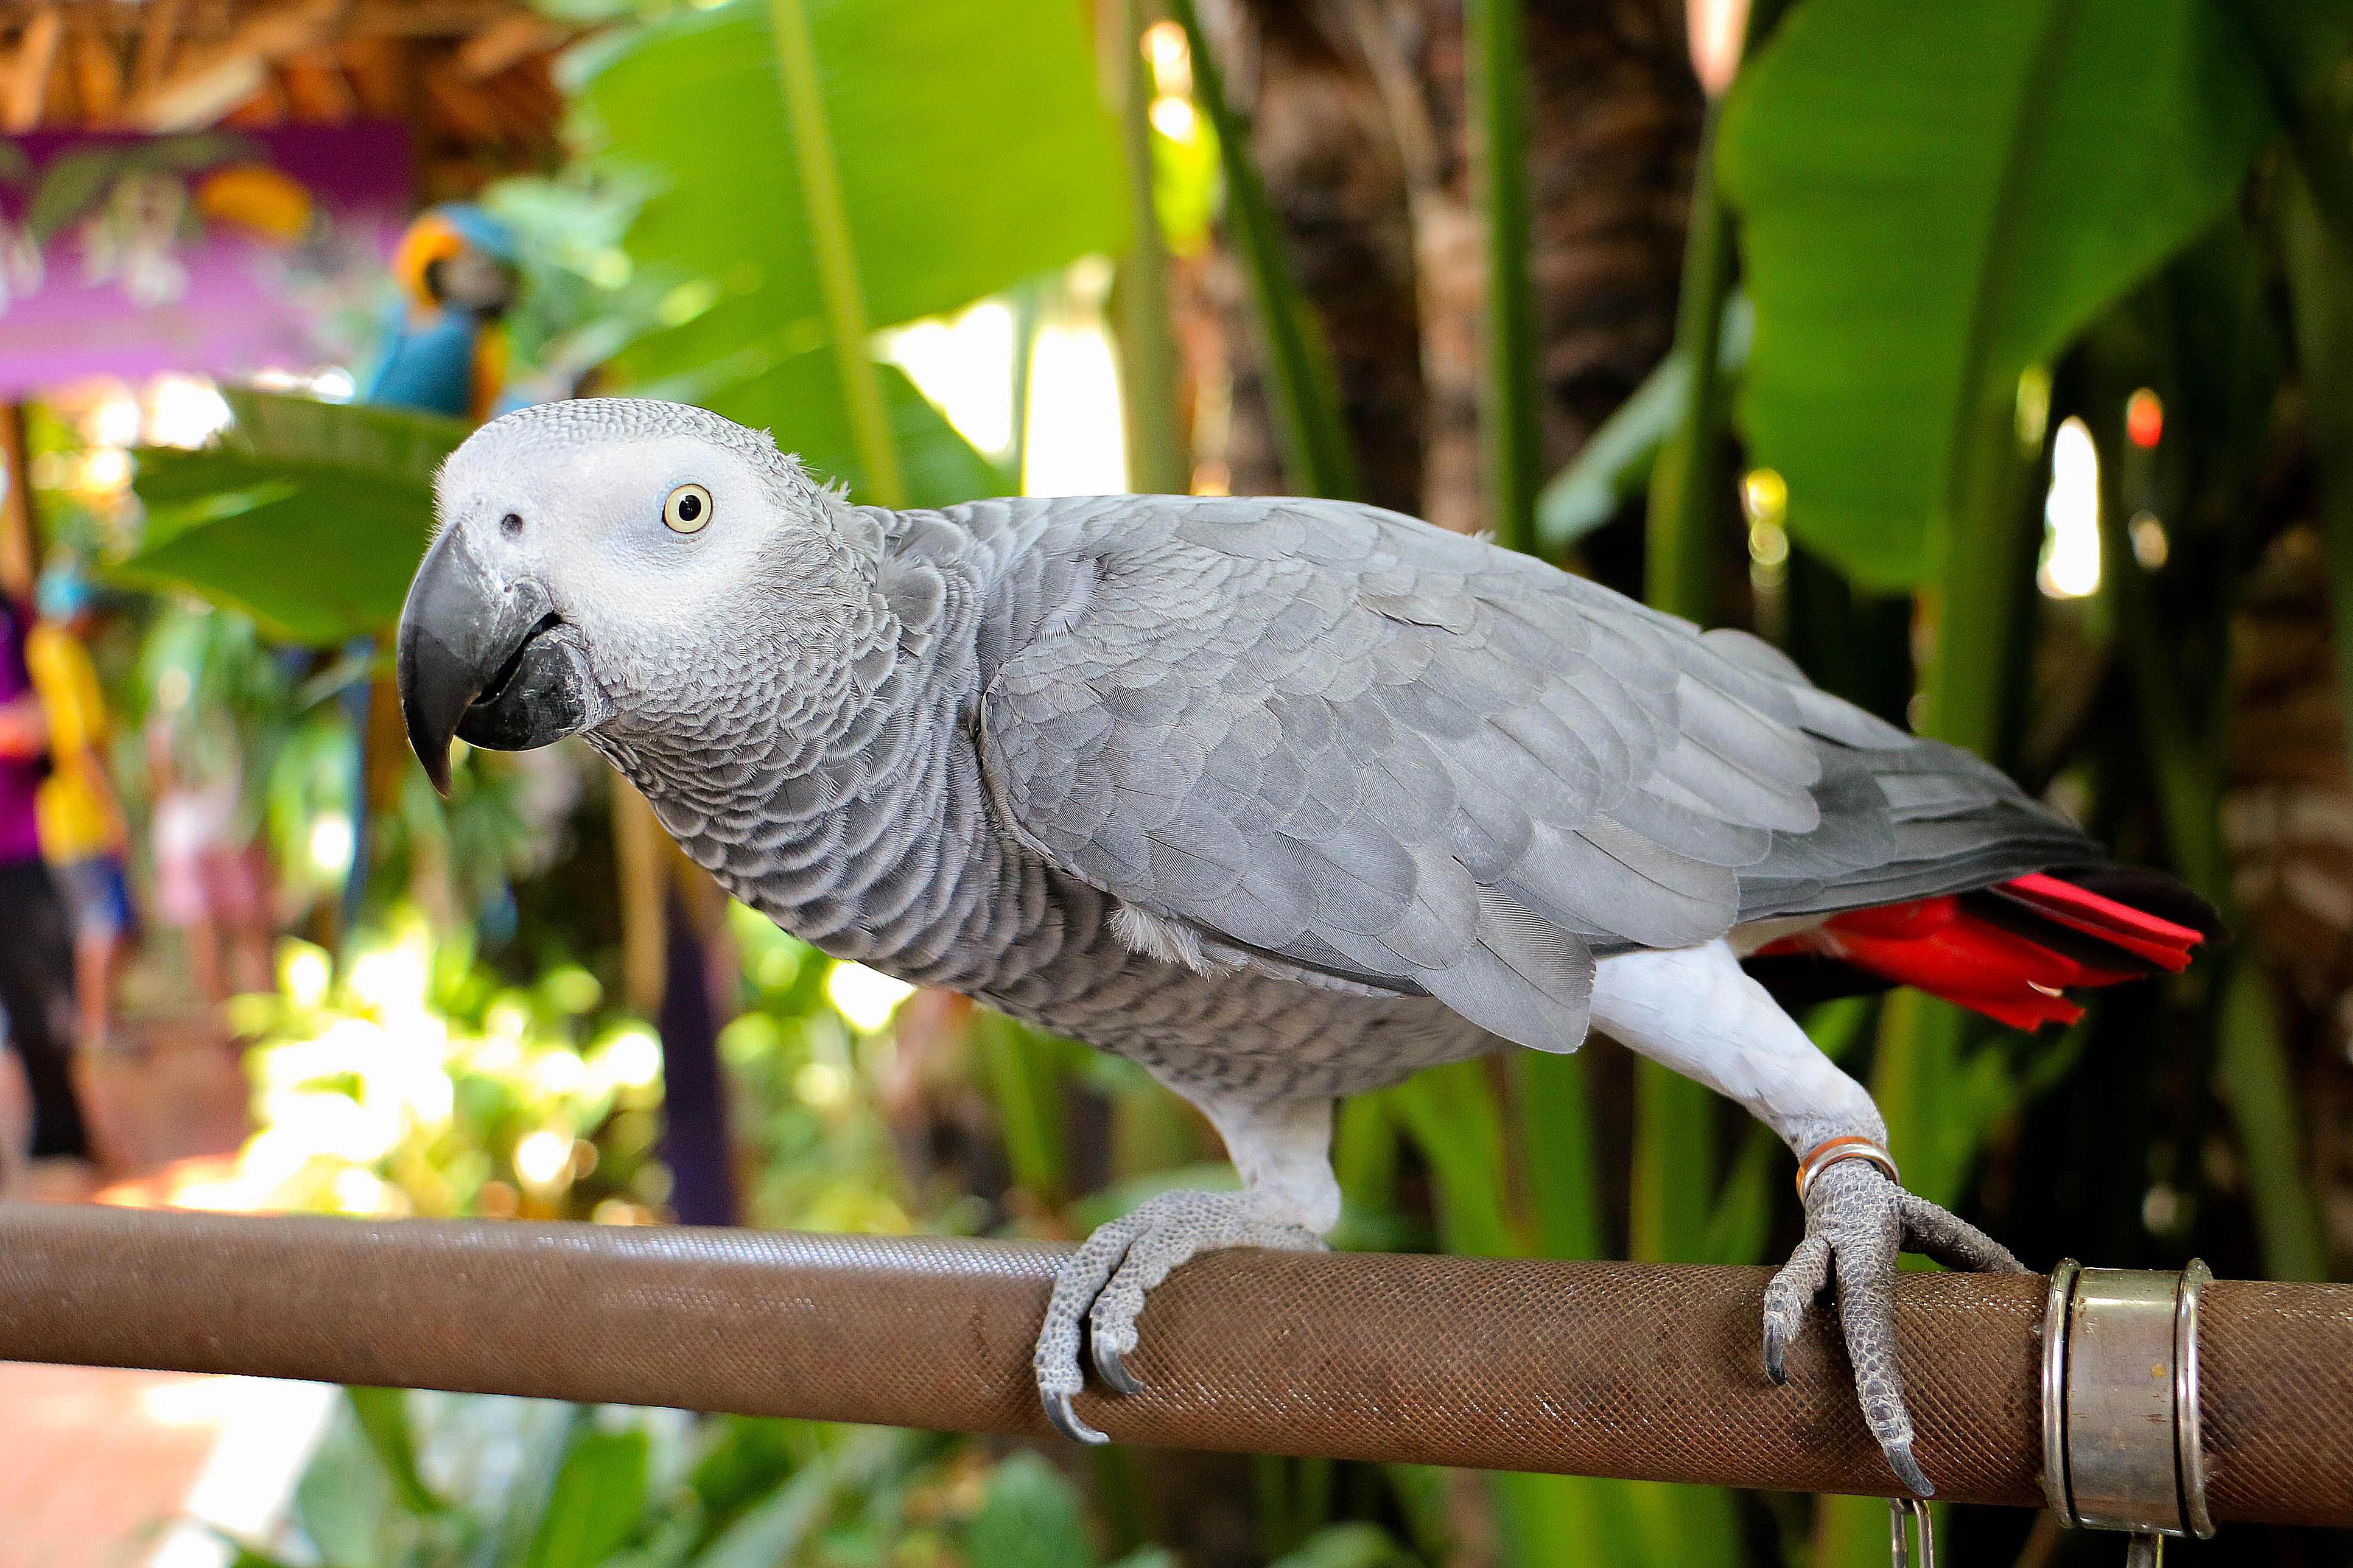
(478, 662)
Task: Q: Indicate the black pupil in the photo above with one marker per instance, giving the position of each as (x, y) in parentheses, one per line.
(690, 507)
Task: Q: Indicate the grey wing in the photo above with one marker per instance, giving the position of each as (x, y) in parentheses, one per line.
(1331, 739)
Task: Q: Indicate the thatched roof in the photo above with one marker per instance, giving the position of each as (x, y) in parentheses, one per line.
(470, 77)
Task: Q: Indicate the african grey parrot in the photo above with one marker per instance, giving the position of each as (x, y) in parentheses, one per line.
(1281, 799)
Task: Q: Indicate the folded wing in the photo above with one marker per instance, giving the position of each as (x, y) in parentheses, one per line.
(1330, 739)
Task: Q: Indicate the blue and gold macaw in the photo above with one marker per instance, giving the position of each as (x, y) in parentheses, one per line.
(444, 348)
(444, 351)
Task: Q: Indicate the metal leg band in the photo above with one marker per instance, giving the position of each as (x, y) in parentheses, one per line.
(1831, 1151)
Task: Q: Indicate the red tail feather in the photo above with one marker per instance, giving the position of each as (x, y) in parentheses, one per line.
(1941, 947)
(2137, 932)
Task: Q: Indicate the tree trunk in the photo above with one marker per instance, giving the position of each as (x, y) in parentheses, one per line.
(1357, 108)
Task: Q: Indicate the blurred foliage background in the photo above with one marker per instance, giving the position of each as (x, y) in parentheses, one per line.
(1996, 360)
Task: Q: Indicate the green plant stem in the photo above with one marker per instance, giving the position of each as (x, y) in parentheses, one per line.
(1511, 432)
(2251, 1063)
(1452, 1112)
(1452, 1115)
(2177, 764)
(1988, 545)
(1557, 1152)
(1742, 1211)
(1317, 452)
(1680, 571)
(1680, 542)
(1673, 1171)
(1977, 549)
(1021, 1074)
(1028, 299)
(1365, 1154)
(837, 253)
(2252, 1069)
(1147, 340)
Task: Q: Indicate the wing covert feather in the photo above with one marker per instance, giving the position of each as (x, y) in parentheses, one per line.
(1341, 741)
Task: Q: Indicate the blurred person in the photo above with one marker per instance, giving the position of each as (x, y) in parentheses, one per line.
(210, 883)
(82, 831)
(37, 955)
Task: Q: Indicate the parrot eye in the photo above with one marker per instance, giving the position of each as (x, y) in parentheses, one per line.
(688, 509)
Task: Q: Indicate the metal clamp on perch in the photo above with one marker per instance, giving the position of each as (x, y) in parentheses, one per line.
(2122, 1448)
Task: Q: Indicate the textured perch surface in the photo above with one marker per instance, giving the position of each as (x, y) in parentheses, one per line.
(1608, 1369)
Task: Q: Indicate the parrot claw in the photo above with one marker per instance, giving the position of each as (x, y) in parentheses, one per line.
(1102, 1285)
(1113, 1369)
(1066, 1420)
(1907, 1469)
(1857, 1221)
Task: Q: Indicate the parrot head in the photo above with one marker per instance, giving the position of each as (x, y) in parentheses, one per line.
(457, 255)
(606, 560)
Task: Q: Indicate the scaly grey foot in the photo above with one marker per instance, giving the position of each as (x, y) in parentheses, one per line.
(1857, 1221)
(1102, 1285)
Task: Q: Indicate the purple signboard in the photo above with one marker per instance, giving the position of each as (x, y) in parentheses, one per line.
(218, 252)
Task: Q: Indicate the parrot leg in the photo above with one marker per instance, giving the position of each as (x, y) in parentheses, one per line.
(1695, 1011)
(1289, 1200)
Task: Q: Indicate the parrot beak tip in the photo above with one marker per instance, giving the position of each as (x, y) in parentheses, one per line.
(429, 734)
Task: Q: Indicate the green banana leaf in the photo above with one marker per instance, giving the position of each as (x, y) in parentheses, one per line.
(1934, 198)
(971, 151)
(597, 1502)
(307, 516)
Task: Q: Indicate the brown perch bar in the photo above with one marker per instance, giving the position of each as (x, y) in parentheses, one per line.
(1606, 1369)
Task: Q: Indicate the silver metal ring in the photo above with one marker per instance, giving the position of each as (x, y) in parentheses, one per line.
(2123, 1469)
(2122, 1444)
(2054, 1391)
(2188, 1437)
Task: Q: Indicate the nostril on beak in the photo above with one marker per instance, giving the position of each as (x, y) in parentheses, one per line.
(511, 525)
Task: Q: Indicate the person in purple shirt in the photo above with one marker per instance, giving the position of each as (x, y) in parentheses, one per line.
(36, 940)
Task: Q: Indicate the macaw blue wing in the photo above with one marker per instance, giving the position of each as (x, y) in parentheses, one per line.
(428, 365)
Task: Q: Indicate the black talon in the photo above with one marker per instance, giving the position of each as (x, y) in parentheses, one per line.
(1066, 1421)
(1113, 1369)
(1907, 1469)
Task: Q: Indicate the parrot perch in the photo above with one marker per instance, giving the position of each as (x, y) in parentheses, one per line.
(1284, 800)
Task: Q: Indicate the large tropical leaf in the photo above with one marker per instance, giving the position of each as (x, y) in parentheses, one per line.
(597, 1502)
(1935, 197)
(309, 516)
(971, 151)
(1030, 1518)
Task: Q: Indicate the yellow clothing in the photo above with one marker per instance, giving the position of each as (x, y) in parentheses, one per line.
(76, 808)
